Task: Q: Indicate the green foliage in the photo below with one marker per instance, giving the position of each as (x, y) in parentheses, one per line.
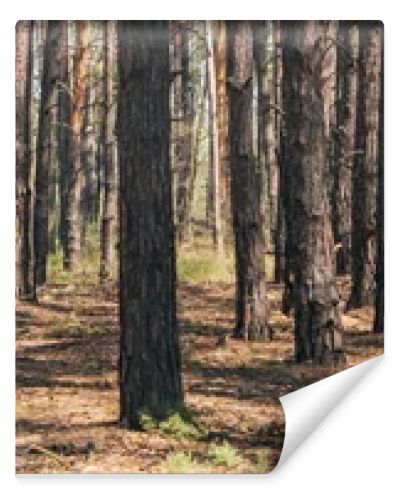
(224, 454)
(176, 425)
(179, 463)
(179, 424)
(203, 265)
(147, 422)
(88, 271)
(261, 465)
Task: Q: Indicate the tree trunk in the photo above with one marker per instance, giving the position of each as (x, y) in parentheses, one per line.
(90, 192)
(64, 120)
(247, 189)
(53, 188)
(264, 33)
(76, 177)
(280, 215)
(345, 143)
(44, 150)
(289, 160)
(220, 50)
(317, 321)
(182, 120)
(108, 225)
(380, 264)
(366, 168)
(215, 166)
(150, 378)
(25, 288)
(329, 72)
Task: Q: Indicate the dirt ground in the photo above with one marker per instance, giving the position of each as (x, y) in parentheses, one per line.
(67, 392)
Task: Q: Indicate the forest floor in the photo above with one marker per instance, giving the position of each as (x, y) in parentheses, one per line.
(67, 392)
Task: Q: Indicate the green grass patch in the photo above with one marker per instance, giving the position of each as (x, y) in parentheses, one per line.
(180, 463)
(261, 463)
(88, 270)
(224, 454)
(204, 265)
(179, 424)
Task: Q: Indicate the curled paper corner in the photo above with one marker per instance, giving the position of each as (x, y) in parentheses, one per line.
(306, 408)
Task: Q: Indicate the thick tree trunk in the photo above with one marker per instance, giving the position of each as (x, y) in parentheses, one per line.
(108, 224)
(76, 177)
(64, 120)
(247, 189)
(289, 159)
(45, 149)
(366, 168)
(345, 143)
(315, 295)
(25, 288)
(150, 379)
(380, 264)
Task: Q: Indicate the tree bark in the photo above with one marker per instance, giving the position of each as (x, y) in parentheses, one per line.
(150, 376)
(25, 288)
(108, 225)
(76, 177)
(315, 295)
(64, 120)
(289, 160)
(220, 52)
(380, 264)
(183, 121)
(345, 143)
(214, 155)
(366, 168)
(280, 215)
(247, 189)
(44, 150)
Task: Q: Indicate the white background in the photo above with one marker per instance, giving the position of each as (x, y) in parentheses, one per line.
(355, 453)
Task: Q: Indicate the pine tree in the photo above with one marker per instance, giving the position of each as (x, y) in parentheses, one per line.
(25, 288)
(150, 379)
(315, 294)
(247, 189)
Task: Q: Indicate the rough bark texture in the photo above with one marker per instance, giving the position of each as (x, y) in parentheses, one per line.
(220, 49)
(247, 189)
(289, 159)
(182, 122)
(317, 322)
(280, 216)
(150, 379)
(380, 257)
(264, 54)
(366, 168)
(76, 177)
(345, 141)
(214, 154)
(90, 192)
(44, 150)
(64, 119)
(24, 252)
(328, 42)
(108, 224)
